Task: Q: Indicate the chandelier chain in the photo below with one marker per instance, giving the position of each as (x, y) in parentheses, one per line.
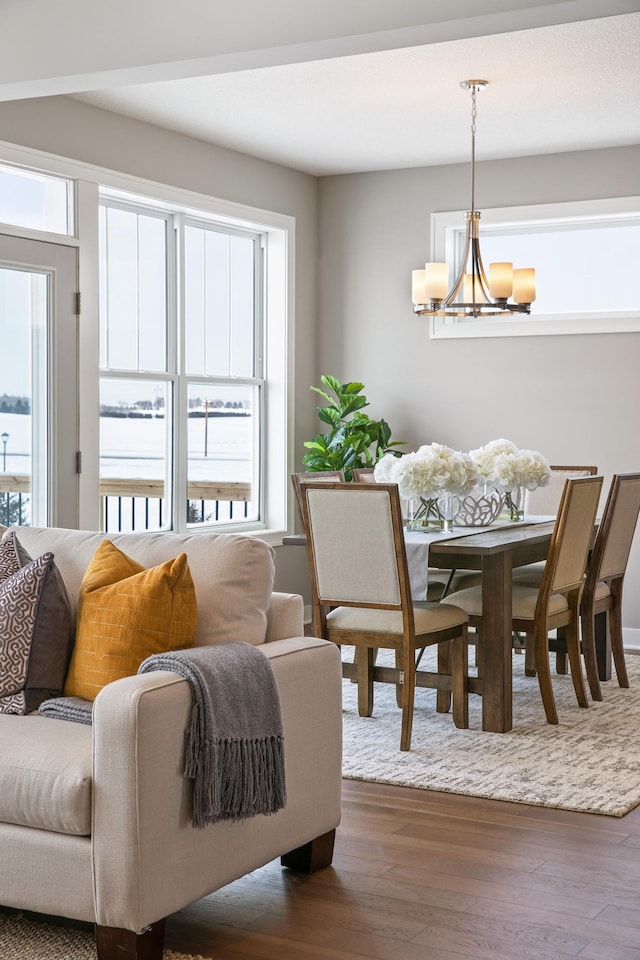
(474, 116)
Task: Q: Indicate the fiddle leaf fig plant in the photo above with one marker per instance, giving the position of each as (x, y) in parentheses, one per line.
(354, 440)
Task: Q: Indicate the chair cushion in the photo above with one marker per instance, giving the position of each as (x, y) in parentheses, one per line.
(126, 613)
(35, 631)
(524, 599)
(602, 590)
(428, 617)
(45, 774)
(530, 575)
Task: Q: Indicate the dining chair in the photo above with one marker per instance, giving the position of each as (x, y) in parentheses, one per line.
(604, 580)
(545, 501)
(362, 597)
(297, 479)
(555, 602)
(363, 475)
(437, 580)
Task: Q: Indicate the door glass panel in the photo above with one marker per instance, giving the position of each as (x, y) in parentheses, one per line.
(222, 453)
(23, 401)
(135, 454)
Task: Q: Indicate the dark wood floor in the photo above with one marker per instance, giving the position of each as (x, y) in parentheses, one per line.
(428, 876)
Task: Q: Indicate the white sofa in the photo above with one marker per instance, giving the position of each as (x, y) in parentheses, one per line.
(95, 821)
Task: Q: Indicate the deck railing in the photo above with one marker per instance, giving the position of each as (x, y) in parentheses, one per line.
(133, 504)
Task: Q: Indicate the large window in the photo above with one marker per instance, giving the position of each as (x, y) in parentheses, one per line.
(181, 394)
(571, 246)
(161, 397)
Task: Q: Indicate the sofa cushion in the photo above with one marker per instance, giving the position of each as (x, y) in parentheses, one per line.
(35, 638)
(233, 573)
(127, 613)
(45, 774)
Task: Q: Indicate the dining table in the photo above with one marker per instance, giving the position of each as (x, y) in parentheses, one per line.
(494, 551)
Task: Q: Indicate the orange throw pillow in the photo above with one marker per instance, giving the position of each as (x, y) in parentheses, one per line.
(125, 614)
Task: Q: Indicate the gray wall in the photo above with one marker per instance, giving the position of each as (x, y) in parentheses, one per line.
(68, 128)
(575, 398)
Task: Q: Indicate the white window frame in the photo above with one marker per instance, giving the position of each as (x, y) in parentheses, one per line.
(279, 297)
(446, 228)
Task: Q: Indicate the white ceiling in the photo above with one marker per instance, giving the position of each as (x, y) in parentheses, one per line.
(570, 86)
(346, 85)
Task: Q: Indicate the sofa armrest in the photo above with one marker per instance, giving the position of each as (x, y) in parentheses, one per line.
(148, 860)
(285, 617)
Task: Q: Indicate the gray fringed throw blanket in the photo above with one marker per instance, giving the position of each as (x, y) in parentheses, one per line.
(67, 708)
(234, 744)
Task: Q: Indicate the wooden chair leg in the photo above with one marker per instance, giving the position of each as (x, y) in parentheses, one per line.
(479, 654)
(399, 686)
(365, 660)
(443, 697)
(312, 856)
(615, 635)
(408, 698)
(460, 680)
(112, 943)
(588, 632)
(561, 655)
(541, 646)
(530, 656)
(575, 662)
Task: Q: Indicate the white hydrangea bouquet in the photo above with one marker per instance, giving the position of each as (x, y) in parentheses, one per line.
(429, 476)
(445, 486)
(510, 470)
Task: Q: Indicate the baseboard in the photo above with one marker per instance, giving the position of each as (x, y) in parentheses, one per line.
(631, 639)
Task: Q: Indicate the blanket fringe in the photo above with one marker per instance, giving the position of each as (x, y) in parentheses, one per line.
(234, 779)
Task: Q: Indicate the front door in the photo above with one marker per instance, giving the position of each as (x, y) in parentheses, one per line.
(38, 383)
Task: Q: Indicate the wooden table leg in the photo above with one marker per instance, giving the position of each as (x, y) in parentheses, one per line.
(496, 639)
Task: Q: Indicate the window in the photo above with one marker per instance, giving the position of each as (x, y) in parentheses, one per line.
(568, 244)
(181, 393)
(35, 201)
(187, 302)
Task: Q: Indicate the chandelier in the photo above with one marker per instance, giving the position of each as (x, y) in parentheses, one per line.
(473, 294)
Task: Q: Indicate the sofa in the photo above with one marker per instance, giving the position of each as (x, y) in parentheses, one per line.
(95, 820)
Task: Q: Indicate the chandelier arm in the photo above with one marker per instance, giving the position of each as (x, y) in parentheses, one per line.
(459, 280)
(477, 268)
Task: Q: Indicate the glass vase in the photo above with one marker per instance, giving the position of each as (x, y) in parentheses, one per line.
(425, 515)
(514, 505)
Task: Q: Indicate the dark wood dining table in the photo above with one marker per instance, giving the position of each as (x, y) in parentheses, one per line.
(495, 553)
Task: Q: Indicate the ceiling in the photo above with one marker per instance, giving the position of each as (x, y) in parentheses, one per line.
(330, 98)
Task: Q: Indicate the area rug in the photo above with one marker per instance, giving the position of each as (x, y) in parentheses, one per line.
(590, 762)
(24, 939)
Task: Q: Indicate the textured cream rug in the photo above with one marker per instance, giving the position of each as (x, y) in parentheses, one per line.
(24, 939)
(589, 762)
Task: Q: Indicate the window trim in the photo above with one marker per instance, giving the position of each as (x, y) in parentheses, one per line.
(279, 295)
(447, 225)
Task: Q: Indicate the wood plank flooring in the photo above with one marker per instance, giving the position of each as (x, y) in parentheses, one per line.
(428, 876)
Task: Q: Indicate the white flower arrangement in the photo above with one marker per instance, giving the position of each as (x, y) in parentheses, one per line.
(503, 465)
(429, 472)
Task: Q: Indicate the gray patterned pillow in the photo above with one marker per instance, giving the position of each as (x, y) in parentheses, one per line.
(35, 623)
